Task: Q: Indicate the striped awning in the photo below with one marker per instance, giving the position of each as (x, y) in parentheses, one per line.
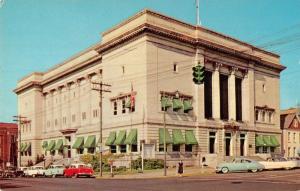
(178, 138)
(132, 137)
(161, 136)
(190, 138)
(111, 138)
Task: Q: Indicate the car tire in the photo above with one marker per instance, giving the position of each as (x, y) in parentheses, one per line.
(53, 176)
(225, 170)
(33, 176)
(254, 170)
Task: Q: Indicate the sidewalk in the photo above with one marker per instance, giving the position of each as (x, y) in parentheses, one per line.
(159, 173)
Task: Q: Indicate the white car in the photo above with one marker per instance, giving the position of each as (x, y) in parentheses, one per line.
(278, 163)
(35, 171)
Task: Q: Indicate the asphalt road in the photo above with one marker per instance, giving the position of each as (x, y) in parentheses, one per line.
(262, 181)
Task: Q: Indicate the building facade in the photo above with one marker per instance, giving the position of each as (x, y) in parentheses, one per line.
(290, 126)
(8, 144)
(148, 62)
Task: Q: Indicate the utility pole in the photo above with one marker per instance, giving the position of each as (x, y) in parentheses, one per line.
(198, 13)
(98, 86)
(20, 120)
(165, 143)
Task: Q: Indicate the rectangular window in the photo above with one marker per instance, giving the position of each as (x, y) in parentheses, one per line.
(83, 115)
(80, 151)
(224, 96)
(113, 149)
(95, 113)
(272, 149)
(242, 144)
(123, 148)
(64, 120)
(188, 148)
(289, 137)
(212, 141)
(115, 108)
(265, 149)
(238, 97)
(256, 115)
(161, 148)
(123, 105)
(176, 148)
(91, 150)
(270, 117)
(257, 150)
(208, 94)
(175, 68)
(263, 116)
(134, 148)
(294, 138)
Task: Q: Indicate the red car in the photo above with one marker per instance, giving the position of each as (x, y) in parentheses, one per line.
(76, 170)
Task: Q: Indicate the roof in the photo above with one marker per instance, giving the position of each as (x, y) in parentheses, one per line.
(289, 111)
(288, 120)
(8, 125)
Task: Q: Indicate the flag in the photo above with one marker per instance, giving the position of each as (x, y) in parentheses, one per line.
(132, 99)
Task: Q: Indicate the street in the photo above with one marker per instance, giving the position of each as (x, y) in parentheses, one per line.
(262, 181)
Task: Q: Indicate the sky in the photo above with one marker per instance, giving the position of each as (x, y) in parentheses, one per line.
(35, 35)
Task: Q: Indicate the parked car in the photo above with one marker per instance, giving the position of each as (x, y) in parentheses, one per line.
(239, 165)
(9, 172)
(1, 173)
(76, 170)
(55, 170)
(20, 172)
(35, 171)
(278, 163)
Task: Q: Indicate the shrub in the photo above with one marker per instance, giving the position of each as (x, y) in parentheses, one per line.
(148, 164)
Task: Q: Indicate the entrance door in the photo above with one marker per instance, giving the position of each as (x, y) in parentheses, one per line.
(227, 146)
(242, 147)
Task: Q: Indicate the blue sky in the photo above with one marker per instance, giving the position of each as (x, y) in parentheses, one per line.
(38, 34)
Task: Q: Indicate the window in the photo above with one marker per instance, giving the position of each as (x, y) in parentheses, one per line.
(80, 151)
(272, 149)
(224, 96)
(95, 113)
(123, 148)
(265, 149)
(175, 68)
(161, 148)
(134, 148)
(238, 96)
(113, 149)
(91, 150)
(115, 108)
(123, 105)
(289, 137)
(123, 70)
(176, 148)
(294, 152)
(289, 151)
(73, 118)
(212, 140)
(263, 116)
(270, 117)
(256, 115)
(188, 148)
(64, 120)
(208, 94)
(264, 88)
(257, 149)
(83, 115)
(294, 138)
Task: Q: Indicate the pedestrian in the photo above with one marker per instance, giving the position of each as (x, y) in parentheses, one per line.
(180, 168)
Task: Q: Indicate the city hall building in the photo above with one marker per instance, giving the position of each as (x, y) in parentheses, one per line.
(147, 60)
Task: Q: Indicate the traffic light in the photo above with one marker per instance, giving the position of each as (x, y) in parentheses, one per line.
(198, 74)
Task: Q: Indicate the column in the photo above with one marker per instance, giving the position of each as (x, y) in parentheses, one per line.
(199, 95)
(245, 97)
(216, 92)
(69, 115)
(231, 94)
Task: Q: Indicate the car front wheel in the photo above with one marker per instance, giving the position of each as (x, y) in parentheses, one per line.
(254, 170)
(225, 170)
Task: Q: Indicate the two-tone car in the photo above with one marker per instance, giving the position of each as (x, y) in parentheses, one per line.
(77, 170)
(279, 163)
(54, 171)
(35, 171)
(239, 165)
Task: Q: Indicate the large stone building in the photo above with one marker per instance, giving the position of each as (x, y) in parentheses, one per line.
(148, 62)
(8, 144)
(290, 125)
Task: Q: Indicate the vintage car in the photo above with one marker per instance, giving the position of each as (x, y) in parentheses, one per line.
(55, 170)
(239, 165)
(278, 163)
(35, 171)
(76, 170)
(9, 172)
(20, 172)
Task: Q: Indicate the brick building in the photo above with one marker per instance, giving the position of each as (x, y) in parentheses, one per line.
(8, 144)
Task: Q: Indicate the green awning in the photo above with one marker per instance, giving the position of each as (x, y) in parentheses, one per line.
(161, 136)
(27, 147)
(45, 144)
(111, 138)
(178, 137)
(190, 138)
(128, 104)
(90, 142)
(166, 102)
(23, 146)
(120, 138)
(132, 137)
(51, 145)
(274, 141)
(259, 141)
(267, 141)
(78, 143)
(177, 104)
(187, 105)
(59, 145)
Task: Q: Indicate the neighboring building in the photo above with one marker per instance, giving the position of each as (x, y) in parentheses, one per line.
(8, 144)
(290, 125)
(148, 62)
